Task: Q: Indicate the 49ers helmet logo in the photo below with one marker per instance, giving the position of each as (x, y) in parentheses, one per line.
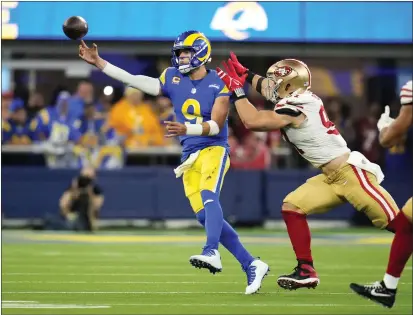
(283, 71)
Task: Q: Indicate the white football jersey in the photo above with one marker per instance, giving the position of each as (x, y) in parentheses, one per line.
(317, 139)
(406, 95)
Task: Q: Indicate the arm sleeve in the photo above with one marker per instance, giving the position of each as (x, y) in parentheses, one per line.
(406, 94)
(146, 84)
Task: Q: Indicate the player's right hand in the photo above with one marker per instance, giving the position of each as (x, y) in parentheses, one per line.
(90, 55)
(239, 68)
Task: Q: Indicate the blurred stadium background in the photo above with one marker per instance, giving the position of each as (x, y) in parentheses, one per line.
(360, 55)
(358, 66)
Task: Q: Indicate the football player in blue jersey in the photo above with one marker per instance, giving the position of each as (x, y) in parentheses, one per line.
(201, 103)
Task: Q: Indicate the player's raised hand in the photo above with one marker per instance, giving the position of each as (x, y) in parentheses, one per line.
(385, 119)
(231, 79)
(90, 55)
(175, 129)
(239, 68)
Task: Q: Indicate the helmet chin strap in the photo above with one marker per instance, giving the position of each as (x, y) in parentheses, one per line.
(185, 68)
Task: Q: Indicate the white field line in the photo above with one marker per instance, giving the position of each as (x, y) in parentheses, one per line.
(167, 292)
(148, 282)
(31, 304)
(196, 273)
(185, 265)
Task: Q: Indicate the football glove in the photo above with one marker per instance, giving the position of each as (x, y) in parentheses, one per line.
(239, 68)
(232, 80)
(385, 119)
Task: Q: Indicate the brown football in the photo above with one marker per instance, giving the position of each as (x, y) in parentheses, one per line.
(75, 27)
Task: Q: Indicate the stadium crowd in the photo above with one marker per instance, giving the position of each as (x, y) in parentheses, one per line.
(134, 120)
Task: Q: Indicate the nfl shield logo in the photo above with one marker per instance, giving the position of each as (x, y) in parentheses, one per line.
(193, 91)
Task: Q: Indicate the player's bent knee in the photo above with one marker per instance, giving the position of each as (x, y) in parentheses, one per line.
(288, 207)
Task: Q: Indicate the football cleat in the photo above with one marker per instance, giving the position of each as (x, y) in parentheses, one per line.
(304, 276)
(209, 259)
(256, 273)
(377, 292)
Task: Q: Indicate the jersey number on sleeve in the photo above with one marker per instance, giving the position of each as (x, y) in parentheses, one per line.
(327, 123)
(195, 117)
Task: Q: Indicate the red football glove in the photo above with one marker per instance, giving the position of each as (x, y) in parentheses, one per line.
(239, 68)
(232, 80)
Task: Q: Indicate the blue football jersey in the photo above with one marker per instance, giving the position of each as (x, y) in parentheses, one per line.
(193, 101)
(51, 125)
(96, 127)
(13, 133)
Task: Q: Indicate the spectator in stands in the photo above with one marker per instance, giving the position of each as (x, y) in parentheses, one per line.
(106, 101)
(164, 109)
(34, 105)
(56, 124)
(84, 95)
(6, 99)
(133, 118)
(232, 142)
(253, 154)
(339, 114)
(94, 130)
(366, 140)
(16, 130)
(165, 112)
(79, 205)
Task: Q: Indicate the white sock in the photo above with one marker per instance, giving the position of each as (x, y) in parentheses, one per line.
(390, 281)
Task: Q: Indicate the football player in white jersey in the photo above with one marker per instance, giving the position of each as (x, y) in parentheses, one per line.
(345, 176)
(391, 131)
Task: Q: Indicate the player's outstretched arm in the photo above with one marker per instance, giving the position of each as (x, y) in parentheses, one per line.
(393, 131)
(146, 84)
(260, 120)
(257, 120)
(257, 82)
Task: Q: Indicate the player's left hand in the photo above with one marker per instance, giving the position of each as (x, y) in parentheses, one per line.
(385, 119)
(175, 129)
(232, 80)
(239, 68)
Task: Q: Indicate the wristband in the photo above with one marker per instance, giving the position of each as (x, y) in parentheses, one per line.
(194, 129)
(250, 76)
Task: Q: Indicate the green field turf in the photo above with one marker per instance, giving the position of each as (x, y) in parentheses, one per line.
(148, 273)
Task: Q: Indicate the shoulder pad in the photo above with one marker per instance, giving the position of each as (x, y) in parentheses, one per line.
(304, 98)
(164, 74)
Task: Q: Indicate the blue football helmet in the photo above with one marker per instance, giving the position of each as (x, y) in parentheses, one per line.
(200, 49)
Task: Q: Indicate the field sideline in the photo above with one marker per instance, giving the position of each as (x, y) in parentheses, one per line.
(148, 273)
